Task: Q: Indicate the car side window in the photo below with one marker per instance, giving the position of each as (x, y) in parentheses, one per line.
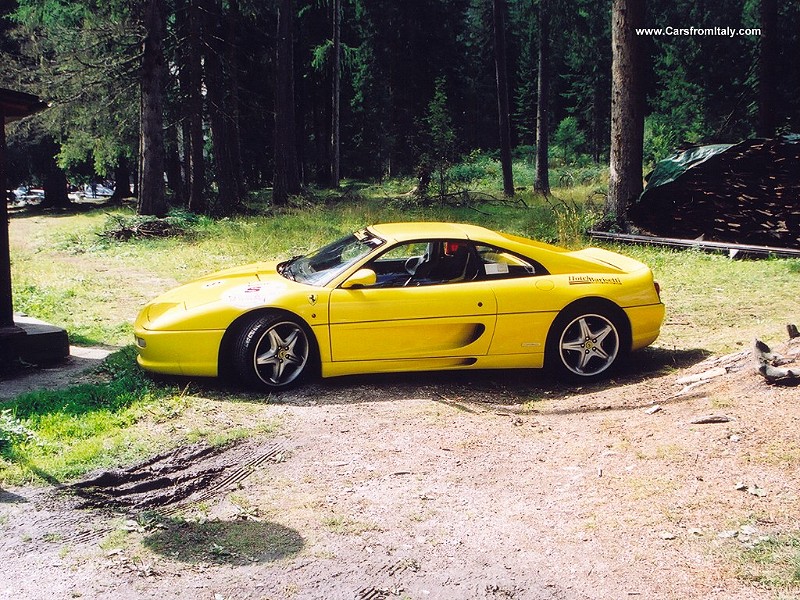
(447, 261)
(395, 267)
(424, 263)
(496, 263)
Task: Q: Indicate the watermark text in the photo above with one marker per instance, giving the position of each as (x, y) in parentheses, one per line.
(698, 31)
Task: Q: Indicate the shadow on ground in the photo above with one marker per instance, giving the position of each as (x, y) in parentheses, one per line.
(224, 542)
(7, 497)
(52, 376)
(506, 386)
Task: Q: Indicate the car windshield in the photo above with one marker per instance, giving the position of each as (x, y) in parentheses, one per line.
(321, 266)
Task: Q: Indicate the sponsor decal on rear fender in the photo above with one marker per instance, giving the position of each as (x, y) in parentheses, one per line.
(588, 279)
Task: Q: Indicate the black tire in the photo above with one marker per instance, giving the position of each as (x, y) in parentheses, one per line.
(274, 352)
(587, 342)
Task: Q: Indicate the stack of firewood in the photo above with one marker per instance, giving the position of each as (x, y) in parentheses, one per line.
(747, 194)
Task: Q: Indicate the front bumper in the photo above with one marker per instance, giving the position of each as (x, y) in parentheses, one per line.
(193, 353)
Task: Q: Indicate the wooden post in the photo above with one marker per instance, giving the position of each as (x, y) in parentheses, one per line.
(13, 106)
(6, 304)
(9, 333)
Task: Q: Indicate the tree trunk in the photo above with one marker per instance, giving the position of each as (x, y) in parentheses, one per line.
(234, 134)
(151, 138)
(767, 61)
(501, 76)
(627, 110)
(337, 80)
(192, 81)
(597, 120)
(172, 163)
(216, 84)
(286, 181)
(321, 123)
(541, 182)
(55, 188)
(122, 180)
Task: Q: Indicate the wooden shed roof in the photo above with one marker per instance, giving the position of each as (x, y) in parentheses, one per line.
(17, 105)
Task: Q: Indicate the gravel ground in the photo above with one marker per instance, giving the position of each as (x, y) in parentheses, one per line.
(463, 485)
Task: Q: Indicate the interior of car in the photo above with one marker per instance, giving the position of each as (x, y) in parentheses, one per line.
(447, 261)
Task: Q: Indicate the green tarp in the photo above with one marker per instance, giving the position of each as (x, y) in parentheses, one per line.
(746, 193)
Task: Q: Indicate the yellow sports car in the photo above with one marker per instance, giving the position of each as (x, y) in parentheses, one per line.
(406, 297)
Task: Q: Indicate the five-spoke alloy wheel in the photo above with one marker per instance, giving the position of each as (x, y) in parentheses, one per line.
(585, 344)
(273, 352)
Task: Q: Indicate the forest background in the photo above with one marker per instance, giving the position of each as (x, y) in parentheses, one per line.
(206, 104)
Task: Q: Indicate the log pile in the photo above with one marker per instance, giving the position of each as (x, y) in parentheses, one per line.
(745, 193)
(772, 366)
(125, 229)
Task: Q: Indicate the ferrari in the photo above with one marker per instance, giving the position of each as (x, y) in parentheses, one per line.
(406, 297)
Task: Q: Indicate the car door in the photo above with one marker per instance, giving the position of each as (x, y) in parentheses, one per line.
(526, 300)
(401, 320)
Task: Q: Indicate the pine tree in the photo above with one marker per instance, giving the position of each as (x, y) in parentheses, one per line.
(287, 177)
(542, 179)
(501, 71)
(627, 109)
(151, 138)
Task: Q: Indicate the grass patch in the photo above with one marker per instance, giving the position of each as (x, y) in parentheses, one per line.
(95, 290)
(343, 525)
(717, 303)
(781, 452)
(643, 487)
(124, 417)
(58, 435)
(66, 273)
(772, 562)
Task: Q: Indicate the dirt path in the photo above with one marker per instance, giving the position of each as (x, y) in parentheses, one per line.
(63, 374)
(450, 486)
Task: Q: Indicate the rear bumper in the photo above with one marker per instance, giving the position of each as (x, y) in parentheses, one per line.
(645, 324)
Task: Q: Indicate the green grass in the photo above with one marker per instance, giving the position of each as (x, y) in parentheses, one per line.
(772, 562)
(69, 432)
(719, 304)
(344, 525)
(95, 288)
(121, 418)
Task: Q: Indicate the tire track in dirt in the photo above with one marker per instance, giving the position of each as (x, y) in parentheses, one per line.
(172, 480)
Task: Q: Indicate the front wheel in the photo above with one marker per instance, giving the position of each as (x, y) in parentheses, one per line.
(585, 344)
(273, 352)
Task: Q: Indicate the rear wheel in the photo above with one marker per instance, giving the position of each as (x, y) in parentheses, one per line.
(273, 352)
(586, 343)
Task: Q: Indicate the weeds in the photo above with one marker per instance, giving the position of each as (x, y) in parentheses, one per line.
(55, 435)
(12, 431)
(124, 227)
(343, 525)
(771, 561)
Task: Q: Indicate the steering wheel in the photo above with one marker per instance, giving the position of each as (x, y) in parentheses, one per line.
(412, 262)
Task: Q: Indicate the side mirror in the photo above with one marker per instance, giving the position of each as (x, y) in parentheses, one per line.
(361, 278)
